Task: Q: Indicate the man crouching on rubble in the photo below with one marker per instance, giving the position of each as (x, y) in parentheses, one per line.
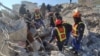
(60, 33)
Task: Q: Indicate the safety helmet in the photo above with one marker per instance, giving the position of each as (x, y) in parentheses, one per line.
(58, 22)
(76, 13)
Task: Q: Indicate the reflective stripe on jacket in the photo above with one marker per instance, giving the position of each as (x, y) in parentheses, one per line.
(61, 33)
(37, 16)
(75, 30)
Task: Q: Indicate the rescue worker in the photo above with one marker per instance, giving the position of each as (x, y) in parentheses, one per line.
(60, 33)
(30, 39)
(38, 19)
(77, 32)
(49, 7)
(70, 1)
(51, 17)
(28, 18)
(29, 15)
(43, 10)
(22, 10)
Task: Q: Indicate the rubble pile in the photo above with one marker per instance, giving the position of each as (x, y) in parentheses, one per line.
(92, 32)
(89, 16)
(13, 27)
(17, 29)
(11, 30)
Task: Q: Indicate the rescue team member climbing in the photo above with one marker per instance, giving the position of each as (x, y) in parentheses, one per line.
(60, 33)
(38, 18)
(77, 32)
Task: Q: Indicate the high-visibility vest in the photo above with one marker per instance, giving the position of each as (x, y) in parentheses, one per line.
(37, 15)
(74, 31)
(61, 33)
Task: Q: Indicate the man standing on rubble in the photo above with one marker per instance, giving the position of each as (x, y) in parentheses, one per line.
(22, 11)
(38, 18)
(49, 8)
(26, 15)
(51, 17)
(60, 33)
(70, 1)
(77, 32)
(28, 19)
(43, 10)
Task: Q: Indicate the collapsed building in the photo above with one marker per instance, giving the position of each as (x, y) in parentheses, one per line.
(91, 18)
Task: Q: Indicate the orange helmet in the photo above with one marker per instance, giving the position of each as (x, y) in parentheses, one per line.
(76, 14)
(58, 22)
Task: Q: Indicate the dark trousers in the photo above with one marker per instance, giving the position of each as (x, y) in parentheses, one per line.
(76, 44)
(60, 45)
(29, 41)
